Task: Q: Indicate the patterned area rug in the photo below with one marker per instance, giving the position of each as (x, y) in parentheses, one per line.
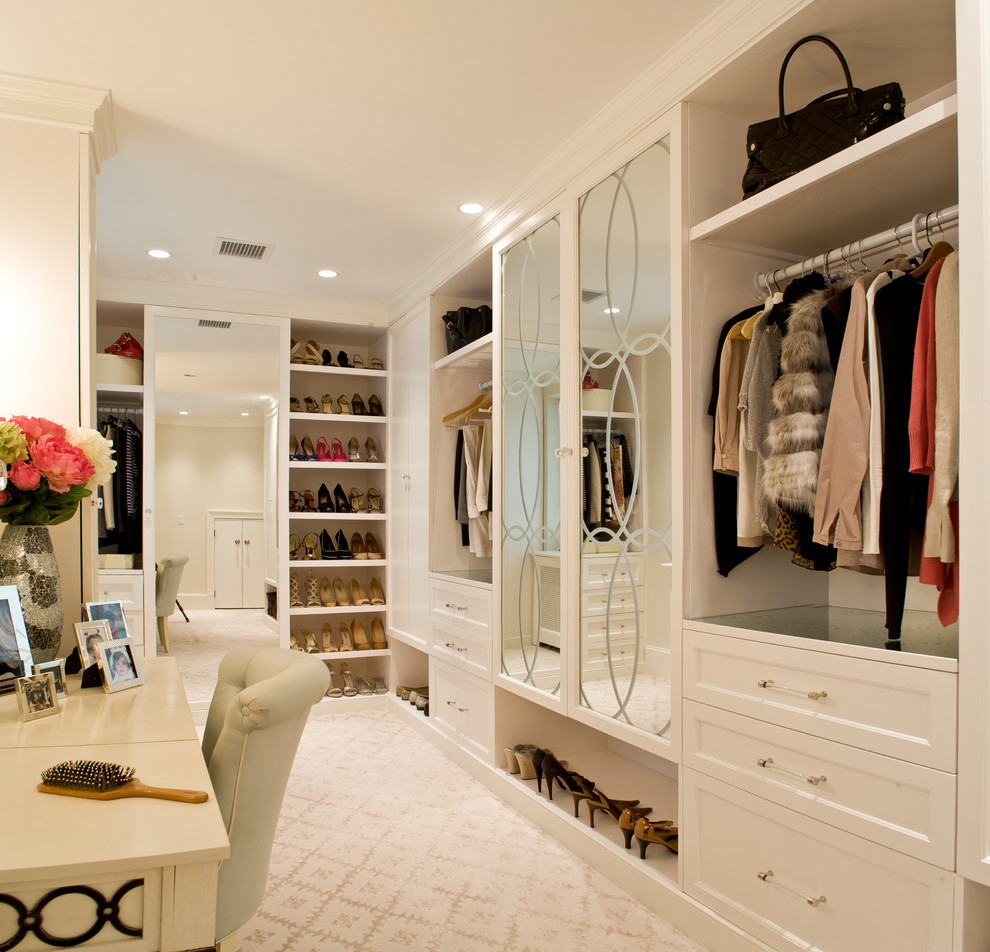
(387, 846)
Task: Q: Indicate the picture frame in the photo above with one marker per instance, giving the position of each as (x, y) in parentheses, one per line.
(57, 669)
(89, 634)
(36, 696)
(119, 665)
(15, 650)
(113, 612)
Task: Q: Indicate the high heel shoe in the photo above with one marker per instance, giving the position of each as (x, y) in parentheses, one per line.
(310, 541)
(295, 501)
(663, 832)
(374, 501)
(293, 447)
(359, 636)
(379, 684)
(345, 404)
(580, 788)
(312, 355)
(337, 451)
(375, 405)
(342, 359)
(377, 592)
(327, 550)
(345, 638)
(309, 501)
(295, 599)
(358, 361)
(356, 498)
(340, 500)
(357, 546)
(357, 405)
(372, 448)
(294, 405)
(294, 643)
(326, 593)
(614, 808)
(341, 542)
(357, 593)
(524, 760)
(322, 449)
(373, 549)
(327, 403)
(295, 352)
(308, 453)
(310, 645)
(376, 363)
(339, 592)
(323, 499)
(294, 547)
(364, 687)
(326, 636)
(378, 634)
(333, 690)
(311, 405)
(312, 591)
(353, 451)
(327, 358)
(345, 673)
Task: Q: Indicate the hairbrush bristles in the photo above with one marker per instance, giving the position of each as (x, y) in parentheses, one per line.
(87, 775)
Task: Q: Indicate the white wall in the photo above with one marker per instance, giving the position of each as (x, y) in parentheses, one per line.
(199, 468)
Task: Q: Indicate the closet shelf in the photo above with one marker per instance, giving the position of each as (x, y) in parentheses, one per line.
(347, 655)
(339, 417)
(839, 198)
(332, 563)
(350, 516)
(337, 371)
(326, 464)
(604, 414)
(474, 356)
(338, 610)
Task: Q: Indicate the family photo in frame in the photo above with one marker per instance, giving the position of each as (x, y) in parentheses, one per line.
(57, 669)
(89, 635)
(36, 696)
(15, 651)
(113, 613)
(119, 665)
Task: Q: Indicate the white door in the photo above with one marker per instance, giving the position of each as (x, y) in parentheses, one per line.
(252, 563)
(228, 559)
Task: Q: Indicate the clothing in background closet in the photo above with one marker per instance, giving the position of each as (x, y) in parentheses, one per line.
(607, 476)
(473, 486)
(120, 519)
(836, 415)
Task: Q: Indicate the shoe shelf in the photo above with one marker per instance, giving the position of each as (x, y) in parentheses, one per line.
(338, 610)
(352, 655)
(337, 371)
(326, 464)
(334, 563)
(338, 417)
(356, 516)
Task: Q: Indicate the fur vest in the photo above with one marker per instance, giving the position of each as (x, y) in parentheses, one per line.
(801, 396)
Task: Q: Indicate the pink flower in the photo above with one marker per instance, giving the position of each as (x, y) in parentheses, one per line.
(61, 463)
(24, 475)
(36, 427)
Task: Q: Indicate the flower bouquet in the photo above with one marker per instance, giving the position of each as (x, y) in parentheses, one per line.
(46, 469)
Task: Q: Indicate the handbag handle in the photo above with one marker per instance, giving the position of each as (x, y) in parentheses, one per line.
(782, 126)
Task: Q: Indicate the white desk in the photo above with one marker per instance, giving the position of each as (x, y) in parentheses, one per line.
(172, 849)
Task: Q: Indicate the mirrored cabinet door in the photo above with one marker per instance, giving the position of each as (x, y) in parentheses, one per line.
(530, 434)
(625, 360)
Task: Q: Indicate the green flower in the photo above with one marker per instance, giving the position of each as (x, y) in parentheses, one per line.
(13, 446)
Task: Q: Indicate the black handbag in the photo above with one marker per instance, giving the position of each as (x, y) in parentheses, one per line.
(466, 325)
(777, 148)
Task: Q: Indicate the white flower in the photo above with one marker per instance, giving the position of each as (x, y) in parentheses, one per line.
(98, 451)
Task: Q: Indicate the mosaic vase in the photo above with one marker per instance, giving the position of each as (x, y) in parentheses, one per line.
(27, 561)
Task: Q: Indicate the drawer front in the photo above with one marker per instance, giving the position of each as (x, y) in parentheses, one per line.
(892, 709)
(461, 706)
(618, 627)
(762, 867)
(601, 571)
(621, 599)
(462, 606)
(126, 587)
(465, 649)
(892, 802)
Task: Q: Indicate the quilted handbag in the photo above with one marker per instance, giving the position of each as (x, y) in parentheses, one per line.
(779, 147)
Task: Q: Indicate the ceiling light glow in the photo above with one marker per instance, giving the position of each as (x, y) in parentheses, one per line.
(159, 253)
(610, 310)
(327, 273)
(245, 413)
(471, 208)
(183, 413)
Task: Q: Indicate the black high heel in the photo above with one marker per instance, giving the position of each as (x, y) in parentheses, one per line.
(343, 552)
(546, 765)
(323, 499)
(614, 808)
(375, 405)
(357, 405)
(342, 360)
(340, 499)
(327, 358)
(327, 550)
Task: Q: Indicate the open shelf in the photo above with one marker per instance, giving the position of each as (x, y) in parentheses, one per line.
(476, 355)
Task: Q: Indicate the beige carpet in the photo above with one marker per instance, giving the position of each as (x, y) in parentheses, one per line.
(385, 845)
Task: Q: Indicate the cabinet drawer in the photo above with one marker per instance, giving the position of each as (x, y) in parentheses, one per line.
(893, 709)
(892, 802)
(461, 706)
(601, 571)
(126, 587)
(758, 865)
(617, 600)
(617, 626)
(461, 605)
(465, 649)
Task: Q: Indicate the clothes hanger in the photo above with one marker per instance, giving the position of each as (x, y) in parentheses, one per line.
(935, 253)
(473, 405)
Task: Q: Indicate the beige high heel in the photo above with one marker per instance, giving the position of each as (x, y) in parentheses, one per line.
(294, 641)
(327, 636)
(339, 592)
(312, 592)
(295, 599)
(326, 593)
(333, 690)
(360, 636)
(345, 638)
(377, 592)
(357, 593)
(310, 645)
(378, 634)
(345, 673)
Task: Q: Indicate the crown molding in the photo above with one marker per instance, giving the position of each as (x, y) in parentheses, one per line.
(86, 108)
(722, 37)
(168, 294)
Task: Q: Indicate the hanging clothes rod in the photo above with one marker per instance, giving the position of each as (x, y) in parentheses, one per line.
(919, 226)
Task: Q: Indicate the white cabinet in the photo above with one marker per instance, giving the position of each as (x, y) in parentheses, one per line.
(127, 587)
(239, 563)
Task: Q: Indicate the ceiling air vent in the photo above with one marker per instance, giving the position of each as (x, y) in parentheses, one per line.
(587, 296)
(220, 325)
(228, 248)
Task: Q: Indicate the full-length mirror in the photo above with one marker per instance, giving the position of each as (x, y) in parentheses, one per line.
(531, 473)
(624, 236)
(215, 398)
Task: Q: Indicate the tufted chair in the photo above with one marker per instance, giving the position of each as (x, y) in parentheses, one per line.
(259, 709)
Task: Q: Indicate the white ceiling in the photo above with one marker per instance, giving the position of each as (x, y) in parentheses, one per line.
(344, 134)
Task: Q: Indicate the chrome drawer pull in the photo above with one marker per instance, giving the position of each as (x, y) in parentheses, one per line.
(456, 607)
(450, 644)
(768, 762)
(454, 704)
(810, 900)
(770, 683)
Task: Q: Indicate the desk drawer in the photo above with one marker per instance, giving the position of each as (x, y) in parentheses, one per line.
(874, 898)
(462, 606)
(894, 803)
(462, 648)
(892, 709)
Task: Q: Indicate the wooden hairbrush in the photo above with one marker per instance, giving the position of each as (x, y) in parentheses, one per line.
(97, 780)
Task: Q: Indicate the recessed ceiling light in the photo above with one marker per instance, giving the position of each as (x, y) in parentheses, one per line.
(183, 413)
(159, 253)
(471, 208)
(327, 273)
(245, 413)
(610, 310)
